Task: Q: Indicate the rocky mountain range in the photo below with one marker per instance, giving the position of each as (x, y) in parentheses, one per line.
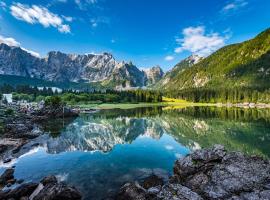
(89, 68)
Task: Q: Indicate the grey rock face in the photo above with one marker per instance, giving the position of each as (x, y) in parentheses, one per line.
(153, 75)
(177, 192)
(132, 191)
(217, 174)
(61, 67)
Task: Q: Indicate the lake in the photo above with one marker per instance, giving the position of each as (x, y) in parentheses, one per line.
(101, 151)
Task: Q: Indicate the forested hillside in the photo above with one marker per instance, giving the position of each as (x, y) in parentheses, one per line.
(238, 72)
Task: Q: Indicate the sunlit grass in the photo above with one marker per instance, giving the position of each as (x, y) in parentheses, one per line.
(167, 99)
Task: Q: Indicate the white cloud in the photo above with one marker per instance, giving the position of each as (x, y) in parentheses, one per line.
(3, 5)
(234, 5)
(38, 14)
(12, 42)
(9, 41)
(169, 58)
(198, 42)
(64, 29)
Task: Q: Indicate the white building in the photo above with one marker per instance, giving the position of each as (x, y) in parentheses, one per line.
(8, 97)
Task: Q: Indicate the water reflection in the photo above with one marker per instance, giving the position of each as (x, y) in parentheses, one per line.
(101, 151)
(246, 130)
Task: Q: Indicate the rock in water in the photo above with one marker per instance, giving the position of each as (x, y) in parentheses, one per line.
(47, 189)
(213, 174)
(52, 190)
(152, 181)
(23, 190)
(220, 175)
(132, 191)
(6, 176)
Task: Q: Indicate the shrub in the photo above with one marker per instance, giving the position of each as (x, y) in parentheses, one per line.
(9, 111)
(54, 101)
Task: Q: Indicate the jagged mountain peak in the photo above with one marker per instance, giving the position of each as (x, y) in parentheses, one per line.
(153, 74)
(62, 67)
(194, 59)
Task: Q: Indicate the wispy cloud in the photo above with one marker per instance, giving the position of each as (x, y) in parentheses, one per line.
(3, 5)
(83, 4)
(93, 23)
(38, 14)
(197, 41)
(12, 42)
(234, 5)
(68, 18)
(99, 20)
(169, 58)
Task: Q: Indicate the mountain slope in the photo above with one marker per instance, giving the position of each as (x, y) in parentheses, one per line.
(61, 67)
(246, 64)
(178, 68)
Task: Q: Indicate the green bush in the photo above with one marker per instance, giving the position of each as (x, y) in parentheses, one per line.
(9, 111)
(54, 101)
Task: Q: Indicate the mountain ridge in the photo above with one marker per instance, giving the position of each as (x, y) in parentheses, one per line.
(62, 67)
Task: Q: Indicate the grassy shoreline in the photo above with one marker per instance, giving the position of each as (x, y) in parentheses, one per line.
(166, 105)
(139, 105)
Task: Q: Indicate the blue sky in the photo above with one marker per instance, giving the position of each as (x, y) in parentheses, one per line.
(146, 32)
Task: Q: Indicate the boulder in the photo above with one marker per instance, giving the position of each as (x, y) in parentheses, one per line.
(219, 175)
(177, 192)
(152, 181)
(199, 161)
(50, 189)
(47, 189)
(6, 176)
(132, 191)
(209, 174)
(23, 190)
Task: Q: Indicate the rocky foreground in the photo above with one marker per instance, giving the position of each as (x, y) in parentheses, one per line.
(207, 174)
(49, 188)
(20, 128)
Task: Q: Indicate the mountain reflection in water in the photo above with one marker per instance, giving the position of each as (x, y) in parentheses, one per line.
(101, 151)
(245, 130)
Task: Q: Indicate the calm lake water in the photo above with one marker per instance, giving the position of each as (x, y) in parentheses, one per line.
(99, 152)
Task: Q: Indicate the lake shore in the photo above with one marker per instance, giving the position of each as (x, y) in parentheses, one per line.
(19, 127)
(172, 105)
(204, 165)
